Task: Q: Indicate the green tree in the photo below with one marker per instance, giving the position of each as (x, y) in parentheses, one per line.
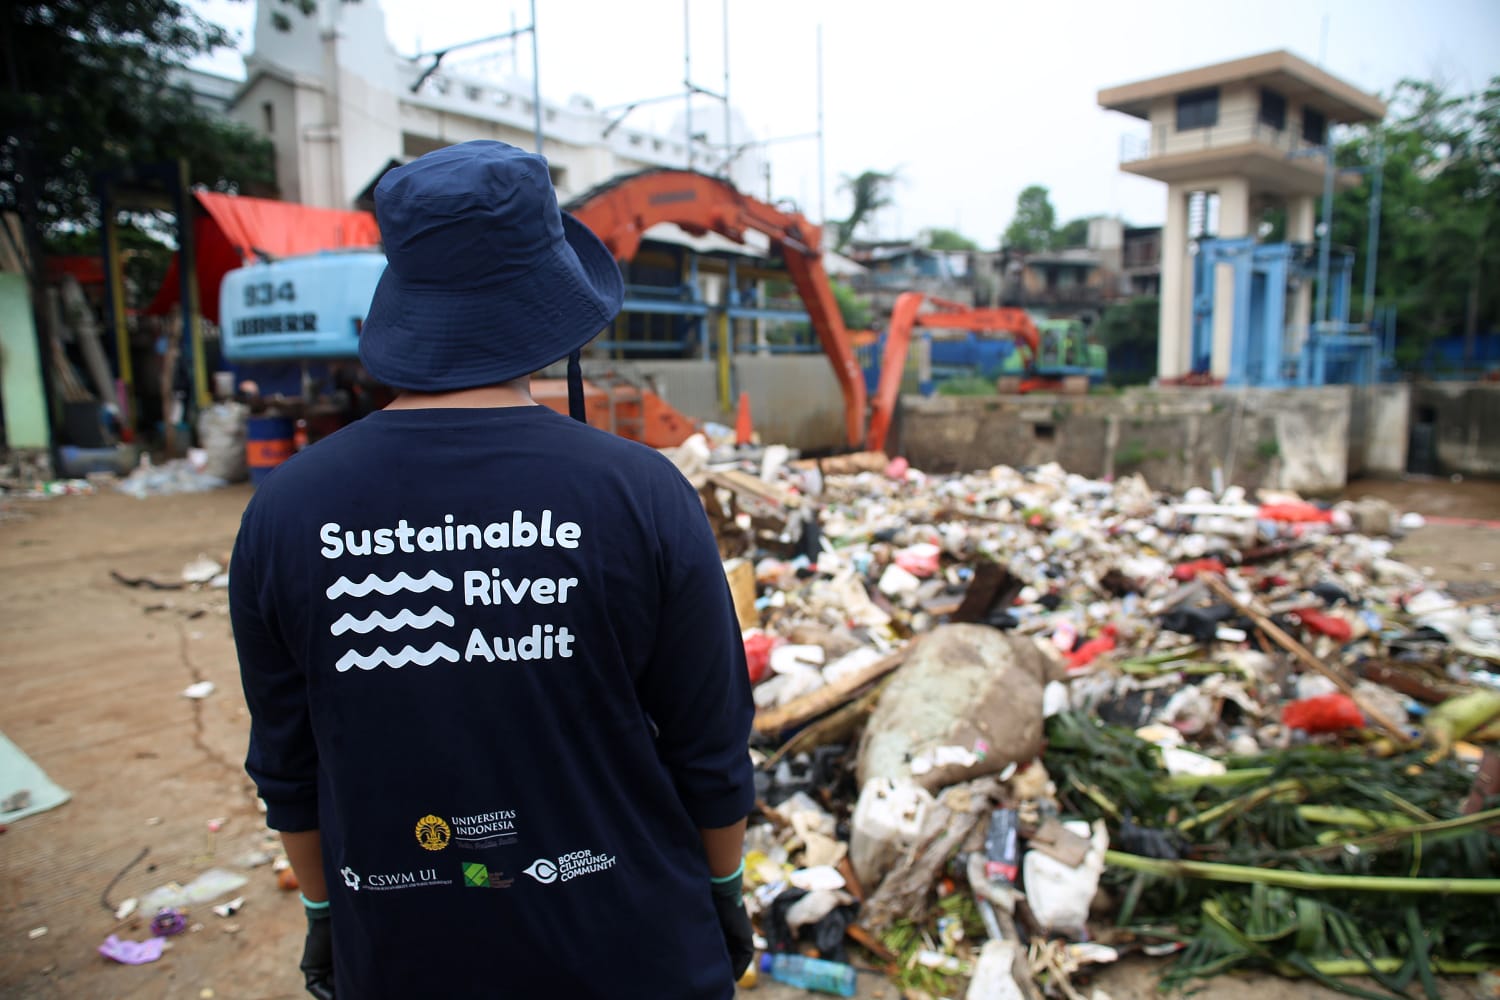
(854, 310)
(1129, 332)
(1074, 233)
(1032, 228)
(1438, 262)
(948, 239)
(872, 192)
(89, 87)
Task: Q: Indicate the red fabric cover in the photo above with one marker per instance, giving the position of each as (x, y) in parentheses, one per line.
(232, 229)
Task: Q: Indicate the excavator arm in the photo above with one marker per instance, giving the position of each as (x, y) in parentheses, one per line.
(620, 212)
(906, 315)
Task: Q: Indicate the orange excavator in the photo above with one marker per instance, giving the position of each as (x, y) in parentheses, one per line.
(907, 314)
(621, 211)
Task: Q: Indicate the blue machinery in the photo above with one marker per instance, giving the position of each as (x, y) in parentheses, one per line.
(685, 301)
(1334, 351)
(296, 309)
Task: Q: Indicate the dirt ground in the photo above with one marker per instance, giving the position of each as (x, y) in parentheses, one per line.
(92, 673)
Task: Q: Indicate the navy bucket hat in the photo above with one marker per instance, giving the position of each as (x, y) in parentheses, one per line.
(486, 279)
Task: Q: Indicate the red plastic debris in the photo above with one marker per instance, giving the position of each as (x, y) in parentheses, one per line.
(1295, 513)
(1327, 713)
(1329, 625)
(1090, 651)
(898, 468)
(1189, 570)
(758, 646)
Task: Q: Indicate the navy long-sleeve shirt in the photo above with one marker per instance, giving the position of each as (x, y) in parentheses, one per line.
(492, 656)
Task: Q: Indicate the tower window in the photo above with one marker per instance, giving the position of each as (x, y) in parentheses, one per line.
(1198, 109)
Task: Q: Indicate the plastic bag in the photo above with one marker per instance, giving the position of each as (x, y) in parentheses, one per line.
(1329, 713)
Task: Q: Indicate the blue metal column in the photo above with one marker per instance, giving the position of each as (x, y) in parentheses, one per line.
(705, 334)
(1274, 312)
(1242, 333)
(1203, 306)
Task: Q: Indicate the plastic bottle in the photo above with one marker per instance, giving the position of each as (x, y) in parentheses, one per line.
(810, 973)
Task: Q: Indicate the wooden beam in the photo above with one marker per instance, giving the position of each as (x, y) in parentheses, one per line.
(827, 698)
(1301, 652)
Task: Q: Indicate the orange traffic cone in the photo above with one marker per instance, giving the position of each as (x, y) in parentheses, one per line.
(743, 430)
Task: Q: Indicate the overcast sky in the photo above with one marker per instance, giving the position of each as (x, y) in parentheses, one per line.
(969, 100)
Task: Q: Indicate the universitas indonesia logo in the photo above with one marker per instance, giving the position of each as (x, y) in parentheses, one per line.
(433, 833)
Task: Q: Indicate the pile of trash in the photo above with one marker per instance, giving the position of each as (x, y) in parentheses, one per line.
(1014, 724)
(179, 475)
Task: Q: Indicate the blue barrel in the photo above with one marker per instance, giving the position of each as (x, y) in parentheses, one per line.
(268, 443)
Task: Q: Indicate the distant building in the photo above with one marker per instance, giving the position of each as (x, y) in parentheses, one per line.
(1140, 261)
(1059, 281)
(891, 267)
(1117, 262)
(341, 107)
(1230, 141)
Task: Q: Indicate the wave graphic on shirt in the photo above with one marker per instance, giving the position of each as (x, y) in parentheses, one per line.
(364, 626)
(401, 581)
(382, 657)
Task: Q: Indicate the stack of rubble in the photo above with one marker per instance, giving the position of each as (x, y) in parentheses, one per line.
(970, 688)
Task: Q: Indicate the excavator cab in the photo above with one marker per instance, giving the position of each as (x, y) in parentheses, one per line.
(1065, 351)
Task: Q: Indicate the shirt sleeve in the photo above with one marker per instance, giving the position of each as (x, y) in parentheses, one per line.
(696, 687)
(283, 757)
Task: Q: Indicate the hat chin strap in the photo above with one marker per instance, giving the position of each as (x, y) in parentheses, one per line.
(575, 388)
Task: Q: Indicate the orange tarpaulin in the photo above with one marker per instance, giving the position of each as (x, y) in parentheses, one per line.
(234, 230)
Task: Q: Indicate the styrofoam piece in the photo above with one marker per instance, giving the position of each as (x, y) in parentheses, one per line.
(788, 658)
(887, 819)
(1058, 894)
(1180, 761)
(896, 581)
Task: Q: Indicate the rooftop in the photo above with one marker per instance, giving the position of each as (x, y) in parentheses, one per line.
(1291, 75)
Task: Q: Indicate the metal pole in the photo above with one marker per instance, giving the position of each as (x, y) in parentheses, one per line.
(1374, 241)
(1327, 231)
(728, 140)
(822, 169)
(687, 78)
(536, 81)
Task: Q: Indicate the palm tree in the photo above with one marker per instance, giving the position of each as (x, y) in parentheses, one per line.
(872, 192)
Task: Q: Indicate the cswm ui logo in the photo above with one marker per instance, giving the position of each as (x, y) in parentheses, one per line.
(422, 877)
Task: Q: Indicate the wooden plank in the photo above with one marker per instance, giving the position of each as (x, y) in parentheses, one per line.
(741, 576)
(1301, 652)
(748, 485)
(825, 699)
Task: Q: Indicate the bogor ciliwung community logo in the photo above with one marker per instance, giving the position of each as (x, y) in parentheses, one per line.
(569, 866)
(433, 833)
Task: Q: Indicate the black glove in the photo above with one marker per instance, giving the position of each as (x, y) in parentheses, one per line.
(317, 952)
(739, 938)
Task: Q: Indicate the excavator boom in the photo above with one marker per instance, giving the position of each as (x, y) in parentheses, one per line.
(906, 315)
(620, 212)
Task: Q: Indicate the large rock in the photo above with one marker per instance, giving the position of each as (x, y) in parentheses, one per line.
(967, 702)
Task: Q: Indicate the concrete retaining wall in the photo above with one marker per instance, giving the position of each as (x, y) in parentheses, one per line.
(1460, 423)
(794, 400)
(1289, 438)
(1379, 430)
